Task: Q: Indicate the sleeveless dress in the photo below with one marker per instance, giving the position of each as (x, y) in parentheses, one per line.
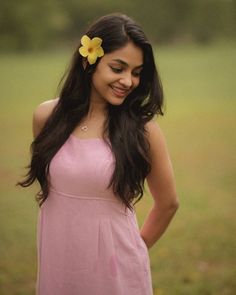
(87, 243)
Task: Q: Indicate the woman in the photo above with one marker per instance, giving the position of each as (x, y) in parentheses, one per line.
(93, 148)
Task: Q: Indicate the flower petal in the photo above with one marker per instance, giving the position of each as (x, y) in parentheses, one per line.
(85, 41)
(92, 57)
(96, 42)
(83, 51)
(99, 52)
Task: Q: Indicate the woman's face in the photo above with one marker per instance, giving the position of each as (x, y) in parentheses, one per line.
(117, 74)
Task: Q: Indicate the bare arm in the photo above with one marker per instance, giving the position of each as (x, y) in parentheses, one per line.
(162, 187)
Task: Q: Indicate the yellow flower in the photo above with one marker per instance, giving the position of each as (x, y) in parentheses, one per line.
(91, 48)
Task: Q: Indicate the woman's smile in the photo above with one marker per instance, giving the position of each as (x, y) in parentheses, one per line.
(120, 92)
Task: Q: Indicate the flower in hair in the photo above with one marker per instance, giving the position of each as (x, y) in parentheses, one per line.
(91, 48)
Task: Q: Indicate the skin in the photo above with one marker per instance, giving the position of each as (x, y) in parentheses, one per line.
(116, 75)
(121, 69)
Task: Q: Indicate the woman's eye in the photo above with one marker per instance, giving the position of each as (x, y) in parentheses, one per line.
(137, 74)
(116, 70)
(119, 70)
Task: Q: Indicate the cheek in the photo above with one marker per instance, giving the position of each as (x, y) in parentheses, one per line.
(97, 82)
(136, 82)
(102, 79)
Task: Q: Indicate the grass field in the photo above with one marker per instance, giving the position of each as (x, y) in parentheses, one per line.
(196, 255)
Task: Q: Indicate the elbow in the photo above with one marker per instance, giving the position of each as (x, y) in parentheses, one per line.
(171, 206)
(175, 203)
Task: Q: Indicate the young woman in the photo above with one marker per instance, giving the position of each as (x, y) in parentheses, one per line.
(93, 148)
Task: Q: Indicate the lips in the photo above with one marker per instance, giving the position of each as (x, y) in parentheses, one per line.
(119, 91)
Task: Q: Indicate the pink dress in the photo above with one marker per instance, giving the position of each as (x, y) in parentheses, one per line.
(88, 244)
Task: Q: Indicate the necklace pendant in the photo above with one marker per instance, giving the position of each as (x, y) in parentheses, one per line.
(84, 128)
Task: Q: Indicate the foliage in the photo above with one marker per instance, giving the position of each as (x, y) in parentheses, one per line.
(32, 24)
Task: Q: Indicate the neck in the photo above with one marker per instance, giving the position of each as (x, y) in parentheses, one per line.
(96, 110)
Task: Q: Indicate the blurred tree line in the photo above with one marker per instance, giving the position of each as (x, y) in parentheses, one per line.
(33, 24)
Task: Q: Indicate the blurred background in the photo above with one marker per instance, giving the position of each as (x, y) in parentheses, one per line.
(195, 50)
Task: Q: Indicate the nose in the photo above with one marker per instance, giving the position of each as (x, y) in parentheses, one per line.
(126, 80)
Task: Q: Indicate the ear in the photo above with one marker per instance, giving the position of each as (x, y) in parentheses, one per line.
(84, 63)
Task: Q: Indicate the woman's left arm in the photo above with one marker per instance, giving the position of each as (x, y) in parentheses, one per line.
(161, 184)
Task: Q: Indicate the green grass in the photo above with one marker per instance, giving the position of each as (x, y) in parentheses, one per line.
(196, 255)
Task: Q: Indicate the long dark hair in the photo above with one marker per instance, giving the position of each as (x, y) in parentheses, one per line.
(125, 123)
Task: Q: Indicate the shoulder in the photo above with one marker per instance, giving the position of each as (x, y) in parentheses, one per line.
(154, 133)
(152, 126)
(44, 109)
(158, 145)
(41, 114)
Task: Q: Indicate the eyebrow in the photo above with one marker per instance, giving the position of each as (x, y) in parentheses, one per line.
(125, 64)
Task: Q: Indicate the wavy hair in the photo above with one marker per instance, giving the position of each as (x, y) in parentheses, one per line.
(124, 125)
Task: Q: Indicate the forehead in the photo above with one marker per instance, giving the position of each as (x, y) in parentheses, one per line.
(130, 53)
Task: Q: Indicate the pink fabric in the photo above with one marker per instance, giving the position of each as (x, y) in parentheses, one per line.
(88, 244)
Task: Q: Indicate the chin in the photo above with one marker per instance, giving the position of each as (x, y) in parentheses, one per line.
(117, 101)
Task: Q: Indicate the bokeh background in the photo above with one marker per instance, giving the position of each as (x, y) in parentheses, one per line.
(195, 49)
